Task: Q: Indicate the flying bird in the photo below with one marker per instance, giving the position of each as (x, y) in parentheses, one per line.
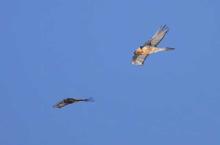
(68, 101)
(150, 47)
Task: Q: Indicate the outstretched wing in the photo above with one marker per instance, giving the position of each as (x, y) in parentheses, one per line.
(158, 36)
(60, 104)
(139, 59)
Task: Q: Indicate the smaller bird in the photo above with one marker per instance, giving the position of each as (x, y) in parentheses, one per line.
(68, 101)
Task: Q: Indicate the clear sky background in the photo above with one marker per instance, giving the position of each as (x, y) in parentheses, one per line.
(53, 49)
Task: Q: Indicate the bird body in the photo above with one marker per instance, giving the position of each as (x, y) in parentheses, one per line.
(146, 50)
(150, 47)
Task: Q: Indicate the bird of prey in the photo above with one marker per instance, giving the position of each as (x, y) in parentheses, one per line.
(68, 101)
(149, 47)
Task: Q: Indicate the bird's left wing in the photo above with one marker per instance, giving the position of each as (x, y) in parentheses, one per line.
(60, 104)
(139, 59)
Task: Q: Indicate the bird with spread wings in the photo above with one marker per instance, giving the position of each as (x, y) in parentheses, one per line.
(150, 47)
(68, 101)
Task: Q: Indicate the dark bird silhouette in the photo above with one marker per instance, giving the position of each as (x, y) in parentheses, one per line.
(68, 101)
(150, 47)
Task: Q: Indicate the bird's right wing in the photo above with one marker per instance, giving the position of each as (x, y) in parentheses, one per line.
(158, 36)
(138, 59)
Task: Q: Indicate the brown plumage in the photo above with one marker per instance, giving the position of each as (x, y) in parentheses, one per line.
(149, 47)
(68, 101)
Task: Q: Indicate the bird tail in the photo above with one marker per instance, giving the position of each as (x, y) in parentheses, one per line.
(89, 99)
(169, 48)
(163, 49)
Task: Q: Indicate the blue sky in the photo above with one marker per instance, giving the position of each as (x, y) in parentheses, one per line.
(53, 49)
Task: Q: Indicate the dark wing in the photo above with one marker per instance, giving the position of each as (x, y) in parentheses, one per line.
(138, 59)
(61, 104)
(158, 36)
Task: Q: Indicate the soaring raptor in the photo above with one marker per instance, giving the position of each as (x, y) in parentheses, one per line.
(68, 101)
(149, 47)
